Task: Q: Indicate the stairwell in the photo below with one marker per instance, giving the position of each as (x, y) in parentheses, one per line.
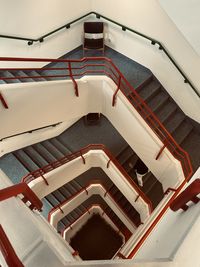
(172, 117)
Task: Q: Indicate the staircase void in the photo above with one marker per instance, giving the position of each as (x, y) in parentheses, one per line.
(179, 125)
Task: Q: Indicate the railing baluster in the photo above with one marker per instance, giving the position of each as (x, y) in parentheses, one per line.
(73, 80)
(3, 101)
(115, 94)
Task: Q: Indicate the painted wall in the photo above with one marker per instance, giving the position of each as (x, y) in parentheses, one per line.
(30, 234)
(185, 14)
(35, 18)
(149, 18)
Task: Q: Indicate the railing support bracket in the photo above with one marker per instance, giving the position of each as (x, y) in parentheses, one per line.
(3, 101)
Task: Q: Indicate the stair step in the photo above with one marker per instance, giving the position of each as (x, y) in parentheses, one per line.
(52, 200)
(8, 74)
(166, 112)
(155, 194)
(2, 81)
(158, 101)
(44, 153)
(181, 133)
(175, 121)
(35, 156)
(65, 192)
(150, 90)
(25, 160)
(58, 195)
(61, 227)
(76, 185)
(125, 155)
(64, 150)
(130, 163)
(70, 188)
(52, 73)
(52, 149)
(145, 83)
(35, 73)
(65, 222)
(21, 73)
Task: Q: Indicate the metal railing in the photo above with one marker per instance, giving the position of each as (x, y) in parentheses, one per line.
(104, 66)
(51, 166)
(153, 41)
(86, 189)
(31, 131)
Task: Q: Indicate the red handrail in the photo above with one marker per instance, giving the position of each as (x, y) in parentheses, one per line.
(39, 172)
(123, 85)
(189, 194)
(59, 206)
(24, 189)
(7, 250)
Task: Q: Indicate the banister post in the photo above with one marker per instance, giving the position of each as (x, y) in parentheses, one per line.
(3, 101)
(115, 93)
(72, 78)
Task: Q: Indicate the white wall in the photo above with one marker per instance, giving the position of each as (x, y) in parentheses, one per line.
(149, 18)
(30, 234)
(185, 14)
(35, 18)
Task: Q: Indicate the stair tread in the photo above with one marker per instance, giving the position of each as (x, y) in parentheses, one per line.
(145, 83)
(35, 156)
(182, 131)
(158, 101)
(52, 200)
(175, 121)
(44, 153)
(58, 195)
(52, 149)
(25, 160)
(8, 74)
(22, 74)
(130, 163)
(167, 111)
(150, 90)
(64, 150)
(35, 73)
(125, 155)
